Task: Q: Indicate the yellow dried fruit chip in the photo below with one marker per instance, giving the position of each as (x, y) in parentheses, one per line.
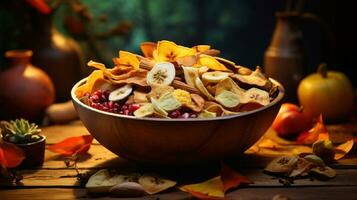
(128, 59)
(182, 96)
(91, 82)
(210, 62)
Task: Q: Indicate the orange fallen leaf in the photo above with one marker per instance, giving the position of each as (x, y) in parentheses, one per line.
(10, 155)
(343, 149)
(210, 189)
(268, 144)
(318, 132)
(232, 179)
(73, 145)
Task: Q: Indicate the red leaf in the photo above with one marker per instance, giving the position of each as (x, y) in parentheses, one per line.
(10, 155)
(318, 132)
(211, 189)
(40, 5)
(73, 145)
(232, 179)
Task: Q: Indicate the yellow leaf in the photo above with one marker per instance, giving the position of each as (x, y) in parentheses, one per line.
(211, 63)
(343, 149)
(211, 189)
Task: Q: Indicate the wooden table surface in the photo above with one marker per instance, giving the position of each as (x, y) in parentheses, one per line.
(55, 181)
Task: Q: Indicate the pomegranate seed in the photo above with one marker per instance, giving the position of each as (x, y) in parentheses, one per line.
(185, 115)
(94, 98)
(121, 112)
(175, 114)
(133, 107)
(126, 112)
(124, 107)
(98, 93)
(193, 115)
(111, 104)
(106, 94)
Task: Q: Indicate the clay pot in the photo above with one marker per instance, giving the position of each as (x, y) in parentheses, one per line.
(25, 90)
(59, 56)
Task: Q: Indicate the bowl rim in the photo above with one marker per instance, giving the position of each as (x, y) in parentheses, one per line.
(275, 101)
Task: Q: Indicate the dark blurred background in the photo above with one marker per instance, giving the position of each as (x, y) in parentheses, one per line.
(241, 29)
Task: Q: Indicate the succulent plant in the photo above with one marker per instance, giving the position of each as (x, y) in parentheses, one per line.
(20, 131)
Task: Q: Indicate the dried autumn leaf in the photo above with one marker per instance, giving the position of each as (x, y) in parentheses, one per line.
(343, 149)
(10, 155)
(148, 48)
(211, 189)
(318, 132)
(232, 179)
(72, 145)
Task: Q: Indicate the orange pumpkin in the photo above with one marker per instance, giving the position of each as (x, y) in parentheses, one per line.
(326, 92)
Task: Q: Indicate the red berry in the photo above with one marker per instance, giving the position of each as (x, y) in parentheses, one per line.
(124, 107)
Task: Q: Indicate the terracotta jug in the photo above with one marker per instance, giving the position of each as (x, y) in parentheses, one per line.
(285, 58)
(25, 90)
(60, 57)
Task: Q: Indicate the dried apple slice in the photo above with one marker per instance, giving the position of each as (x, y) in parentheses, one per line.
(207, 114)
(153, 184)
(190, 74)
(256, 78)
(227, 99)
(157, 107)
(282, 165)
(203, 89)
(145, 110)
(158, 90)
(103, 180)
(256, 95)
(229, 85)
(168, 102)
(324, 172)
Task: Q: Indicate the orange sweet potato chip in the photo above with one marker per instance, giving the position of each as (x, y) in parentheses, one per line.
(148, 48)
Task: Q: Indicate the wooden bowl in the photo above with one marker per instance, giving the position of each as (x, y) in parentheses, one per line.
(177, 141)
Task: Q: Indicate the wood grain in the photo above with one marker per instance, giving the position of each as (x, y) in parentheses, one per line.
(303, 193)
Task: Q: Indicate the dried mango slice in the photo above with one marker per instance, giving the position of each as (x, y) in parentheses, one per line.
(201, 48)
(128, 59)
(148, 48)
(210, 62)
(91, 81)
(169, 51)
